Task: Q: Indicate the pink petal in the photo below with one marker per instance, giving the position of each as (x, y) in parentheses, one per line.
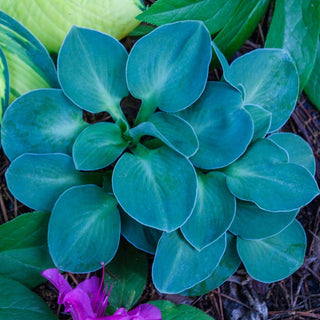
(142, 312)
(91, 287)
(78, 303)
(146, 312)
(58, 281)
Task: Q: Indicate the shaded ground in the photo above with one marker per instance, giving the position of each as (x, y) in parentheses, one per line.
(297, 297)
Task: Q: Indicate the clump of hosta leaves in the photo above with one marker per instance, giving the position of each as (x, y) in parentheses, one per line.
(195, 178)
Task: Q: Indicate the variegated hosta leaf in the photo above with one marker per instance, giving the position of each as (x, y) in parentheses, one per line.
(30, 65)
(155, 187)
(4, 84)
(50, 21)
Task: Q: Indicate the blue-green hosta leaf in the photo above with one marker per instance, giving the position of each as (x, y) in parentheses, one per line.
(84, 229)
(142, 237)
(263, 175)
(228, 264)
(213, 13)
(91, 70)
(270, 80)
(30, 65)
(37, 180)
(261, 120)
(98, 146)
(41, 121)
(155, 187)
(23, 248)
(253, 223)
(312, 88)
(50, 21)
(169, 311)
(224, 128)
(178, 266)
(18, 302)
(175, 74)
(213, 213)
(4, 84)
(295, 27)
(275, 258)
(175, 132)
(298, 149)
(128, 273)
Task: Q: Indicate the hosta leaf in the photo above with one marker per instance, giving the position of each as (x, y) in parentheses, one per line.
(142, 237)
(228, 264)
(262, 175)
(155, 187)
(213, 13)
(41, 121)
(128, 279)
(184, 265)
(175, 75)
(18, 302)
(213, 213)
(50, 21)
(30, 65)
(261, 120)
(91, 70)
(253, 223)
(84, 229)
(275, 87)
(298, 149)
(98, 146)
(224, 128)
(312, 88)
(37, 180)
(238, 27)
(23, 248)
(275, 258)
(295, 27)
(175, 132)
(169, 311)
(4, 84)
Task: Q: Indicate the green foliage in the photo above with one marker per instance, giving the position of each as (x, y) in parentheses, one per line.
(128, 279)
(170, 311)
(179, 178)
(295, 27)
(18, 302)
(4, 84)
(231, 22)
(50, 21)
(23, 248)
(29, 63)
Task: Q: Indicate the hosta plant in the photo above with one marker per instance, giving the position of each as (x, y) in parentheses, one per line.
(197, 176)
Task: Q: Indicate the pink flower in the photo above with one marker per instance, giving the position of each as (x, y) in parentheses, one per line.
(89, 300)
